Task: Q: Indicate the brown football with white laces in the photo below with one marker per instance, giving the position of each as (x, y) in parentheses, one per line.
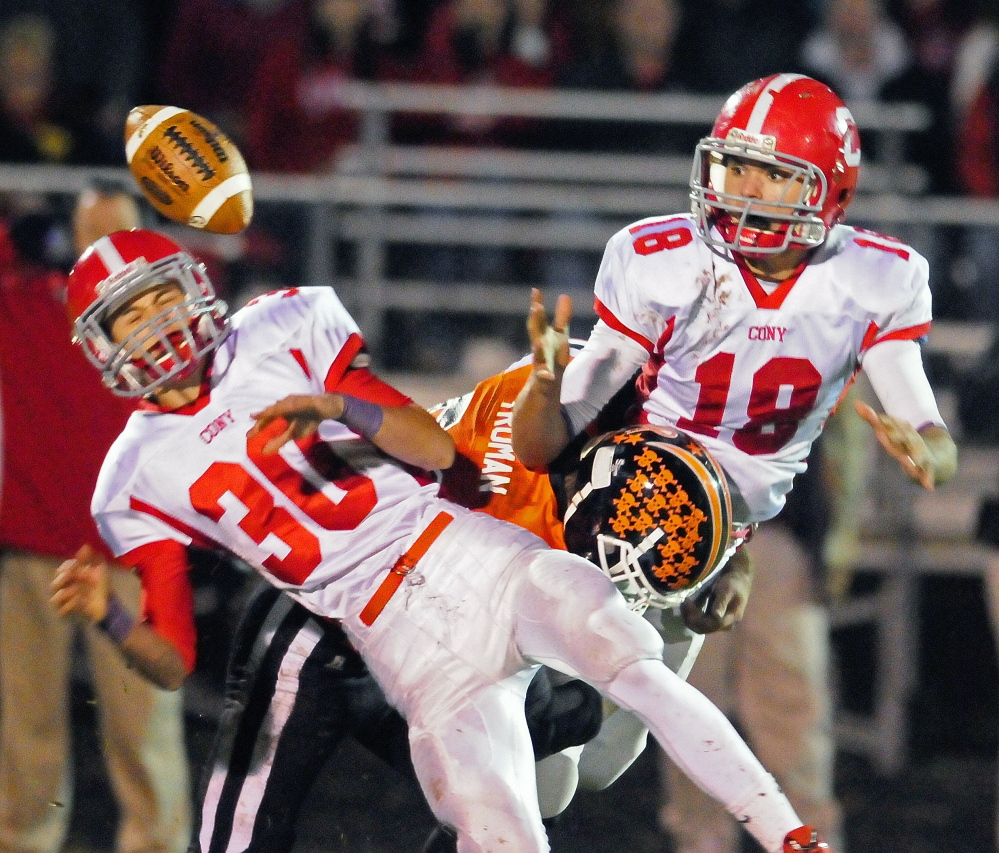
(188, 169)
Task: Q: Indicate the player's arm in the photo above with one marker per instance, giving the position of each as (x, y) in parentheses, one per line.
(409, 433)
(559, 400)
(911, 429)
(82, 586)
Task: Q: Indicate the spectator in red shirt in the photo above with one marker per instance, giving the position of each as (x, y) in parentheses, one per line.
(58, 422)
(213, 51)
(296, 119)
(517, 43)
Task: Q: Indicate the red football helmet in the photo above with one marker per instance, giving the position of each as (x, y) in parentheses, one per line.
(116, 268)
(797, 124)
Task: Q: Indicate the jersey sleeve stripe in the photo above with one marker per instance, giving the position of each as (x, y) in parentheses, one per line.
(605, 314)
(340, 364)
(196, 536)
(912, 333)
(362, 383)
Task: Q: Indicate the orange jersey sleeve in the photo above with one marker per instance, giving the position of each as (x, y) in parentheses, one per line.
(486, 475)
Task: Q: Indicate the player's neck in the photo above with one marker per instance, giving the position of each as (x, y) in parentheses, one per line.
(777, 267)
(176, 396)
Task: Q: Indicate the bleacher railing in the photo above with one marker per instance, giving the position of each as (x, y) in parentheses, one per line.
(383, 194)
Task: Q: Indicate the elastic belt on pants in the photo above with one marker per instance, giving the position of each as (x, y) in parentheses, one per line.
(403, 566)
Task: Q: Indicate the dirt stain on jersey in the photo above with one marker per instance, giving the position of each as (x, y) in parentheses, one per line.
(715, 295)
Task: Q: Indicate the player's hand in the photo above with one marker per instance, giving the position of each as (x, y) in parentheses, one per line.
(722, 604)
(539, 431)
(82, 585)
(549, 343)
(300, 414)
(901, 441)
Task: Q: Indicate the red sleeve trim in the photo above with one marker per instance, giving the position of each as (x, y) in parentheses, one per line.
(362, 383)
(913, 333)
(299, 356)
(167, 595)
(340, 364)
(604, 313)
(196, 536)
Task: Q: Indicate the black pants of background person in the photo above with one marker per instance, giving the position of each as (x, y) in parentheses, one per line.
(294, 689)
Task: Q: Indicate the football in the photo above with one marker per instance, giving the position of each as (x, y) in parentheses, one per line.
(188, 169)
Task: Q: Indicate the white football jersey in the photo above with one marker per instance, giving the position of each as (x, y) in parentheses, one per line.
(325, 513)
(752, 369)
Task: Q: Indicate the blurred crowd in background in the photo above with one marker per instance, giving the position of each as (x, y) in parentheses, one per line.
(269, 72)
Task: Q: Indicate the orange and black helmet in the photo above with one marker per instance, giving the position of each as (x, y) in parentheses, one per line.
(652, 509)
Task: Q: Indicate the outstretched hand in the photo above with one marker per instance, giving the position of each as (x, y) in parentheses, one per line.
(302, 414)
(549, 343)
(82, 585)
(903, 443)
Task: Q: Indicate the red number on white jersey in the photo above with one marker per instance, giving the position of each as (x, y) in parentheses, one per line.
(228, 488)
(670, 238)
(294, 550)
(794, 381)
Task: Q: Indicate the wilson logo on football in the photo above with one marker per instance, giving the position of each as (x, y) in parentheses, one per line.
(188, 169)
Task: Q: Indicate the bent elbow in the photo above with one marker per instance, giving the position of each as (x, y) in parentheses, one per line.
(446, 454)
(172, 682)
(528, 453)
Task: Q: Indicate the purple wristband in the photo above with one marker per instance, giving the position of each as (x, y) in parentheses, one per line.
(362, 417)
(118, 623)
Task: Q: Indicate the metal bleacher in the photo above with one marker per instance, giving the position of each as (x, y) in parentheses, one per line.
(382, 194)
(532, 199)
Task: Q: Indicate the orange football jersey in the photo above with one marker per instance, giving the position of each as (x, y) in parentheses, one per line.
(486, 476)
